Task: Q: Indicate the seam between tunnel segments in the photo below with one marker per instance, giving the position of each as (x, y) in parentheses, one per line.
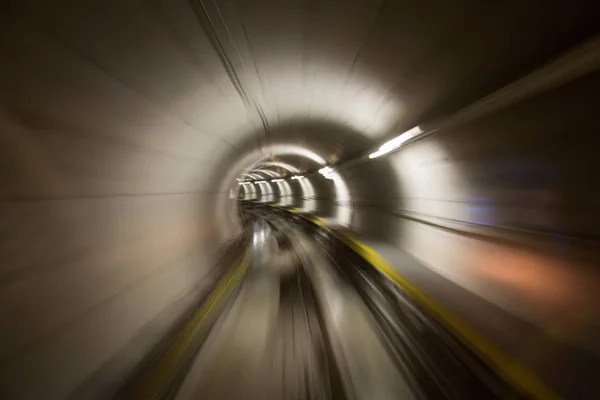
(510, 369)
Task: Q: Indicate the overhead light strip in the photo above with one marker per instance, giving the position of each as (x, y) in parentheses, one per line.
(327, 172)
(396, 142)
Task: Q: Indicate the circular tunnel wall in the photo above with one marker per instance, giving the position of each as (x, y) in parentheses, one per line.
(124, 125)
(306, 147)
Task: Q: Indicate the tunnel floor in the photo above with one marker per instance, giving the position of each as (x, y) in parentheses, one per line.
(302, 316)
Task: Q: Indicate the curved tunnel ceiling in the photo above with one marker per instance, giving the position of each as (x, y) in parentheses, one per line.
(203, 81)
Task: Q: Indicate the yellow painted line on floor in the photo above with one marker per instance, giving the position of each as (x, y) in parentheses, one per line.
(165, 368)
(312, 218)
(508, 368)
(317, 221)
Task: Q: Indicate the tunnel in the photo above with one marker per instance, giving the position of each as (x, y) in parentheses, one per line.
(448, 145)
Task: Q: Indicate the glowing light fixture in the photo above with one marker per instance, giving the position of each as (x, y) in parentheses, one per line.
(396, 142)
(276, 180)
(327, 172)
(297, 177)
(260, 181)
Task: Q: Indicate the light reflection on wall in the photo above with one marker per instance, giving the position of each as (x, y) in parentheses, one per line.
(309, 203)
(343, 209)
(256, 167)
(435, 183)
(249, 192)
(285, 193)
(266, 191)
(360, 102)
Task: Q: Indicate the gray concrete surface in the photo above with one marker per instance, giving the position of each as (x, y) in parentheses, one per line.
(368, 370)
(123, 125)
(272, 343)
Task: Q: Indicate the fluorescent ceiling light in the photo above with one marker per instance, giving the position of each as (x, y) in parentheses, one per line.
(260, 182)
(297, 177)
(327, 172)
(276, 180)
(396, 142)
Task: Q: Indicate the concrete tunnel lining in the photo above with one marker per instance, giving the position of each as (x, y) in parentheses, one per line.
(120, 116)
